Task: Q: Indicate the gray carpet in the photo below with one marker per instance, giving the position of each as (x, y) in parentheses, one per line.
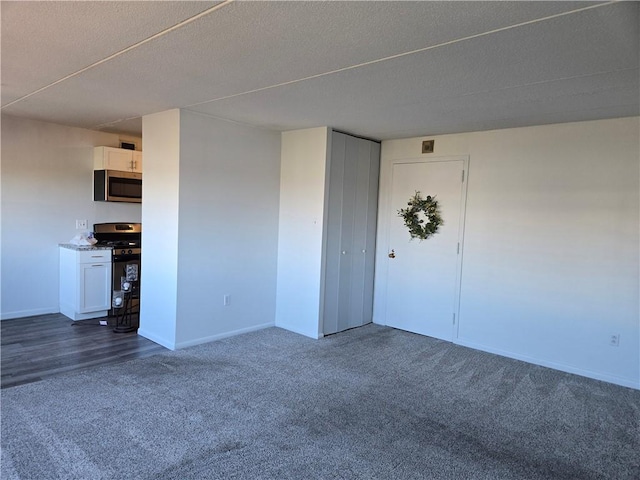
(370, 403)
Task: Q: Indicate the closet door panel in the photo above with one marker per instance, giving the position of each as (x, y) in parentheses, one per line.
(347, 232)
(333, 228)
(372, 219)
(359, 244)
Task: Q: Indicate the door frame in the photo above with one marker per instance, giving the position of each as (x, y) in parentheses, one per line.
(383, 232)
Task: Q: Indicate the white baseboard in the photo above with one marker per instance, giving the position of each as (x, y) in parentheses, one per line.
(154, 338)
(73, 315)
(299, 331)
(556, 366)
(219, 336)
(29, 313)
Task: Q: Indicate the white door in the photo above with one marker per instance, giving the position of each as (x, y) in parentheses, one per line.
(423, 278)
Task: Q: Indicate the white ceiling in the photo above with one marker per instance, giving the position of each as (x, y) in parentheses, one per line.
(377, 69)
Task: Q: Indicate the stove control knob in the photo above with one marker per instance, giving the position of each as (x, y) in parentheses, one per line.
(130, 251)
(122, 252)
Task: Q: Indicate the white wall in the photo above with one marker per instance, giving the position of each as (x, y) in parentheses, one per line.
(302, 200)
(551, 248)
(47, 183)
(160, 190)
(228, 228)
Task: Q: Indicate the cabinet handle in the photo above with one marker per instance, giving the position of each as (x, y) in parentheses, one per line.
(392, 254)
(99, 265)
(364, 251)
(344, 252)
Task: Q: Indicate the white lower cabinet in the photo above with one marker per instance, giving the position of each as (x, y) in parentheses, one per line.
(85, 283)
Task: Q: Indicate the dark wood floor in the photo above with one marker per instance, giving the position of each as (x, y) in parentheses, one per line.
(40, 347)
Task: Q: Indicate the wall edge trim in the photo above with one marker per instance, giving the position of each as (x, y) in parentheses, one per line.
(220, 336)
(562, 367)
(29, 313)
(156, 339)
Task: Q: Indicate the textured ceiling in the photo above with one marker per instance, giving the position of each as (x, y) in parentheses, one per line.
(376, 69)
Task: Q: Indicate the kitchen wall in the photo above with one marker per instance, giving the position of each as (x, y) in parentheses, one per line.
(47, 183)
(551, 247)
(221, 210)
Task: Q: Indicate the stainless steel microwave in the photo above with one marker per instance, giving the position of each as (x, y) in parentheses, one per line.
(117, 186)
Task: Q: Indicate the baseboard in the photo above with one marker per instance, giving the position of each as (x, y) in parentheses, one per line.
(156, 339)
(73, 315)
(29, 313)
(556, 366)
(299, 331)
(219, 336)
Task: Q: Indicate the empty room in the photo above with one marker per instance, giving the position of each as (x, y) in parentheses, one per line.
(381, 240)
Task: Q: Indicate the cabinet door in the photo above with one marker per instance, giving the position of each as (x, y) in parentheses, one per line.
(137, 161)
(94, 287)
(118, 159)
(110, 158)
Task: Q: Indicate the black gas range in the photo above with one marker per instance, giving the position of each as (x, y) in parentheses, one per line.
(125, 240)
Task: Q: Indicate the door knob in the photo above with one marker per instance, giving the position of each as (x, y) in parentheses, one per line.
(392, 254)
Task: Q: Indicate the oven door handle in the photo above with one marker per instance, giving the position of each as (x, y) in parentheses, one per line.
(126, 258)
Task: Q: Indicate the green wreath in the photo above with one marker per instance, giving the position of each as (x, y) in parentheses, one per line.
(417, 226)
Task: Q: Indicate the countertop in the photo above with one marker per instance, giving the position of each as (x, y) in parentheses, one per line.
(71, 246)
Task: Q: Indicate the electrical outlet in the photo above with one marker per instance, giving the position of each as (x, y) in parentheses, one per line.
(614, 340)
(226, 300)
(81, 224)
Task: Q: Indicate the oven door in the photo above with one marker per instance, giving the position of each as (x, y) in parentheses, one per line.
(119, 274)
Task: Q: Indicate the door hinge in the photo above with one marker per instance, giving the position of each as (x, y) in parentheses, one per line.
(462, 176)
(454, 318)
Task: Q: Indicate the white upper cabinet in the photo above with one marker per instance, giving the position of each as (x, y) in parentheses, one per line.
(137, 161)
(110, 158)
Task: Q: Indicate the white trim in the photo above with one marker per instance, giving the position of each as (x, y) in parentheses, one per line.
(154, 338)
(220, 336)
(556, 366)
(300, 331)
(29, 313)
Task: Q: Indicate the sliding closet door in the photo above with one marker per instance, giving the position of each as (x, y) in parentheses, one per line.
(350, 241)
